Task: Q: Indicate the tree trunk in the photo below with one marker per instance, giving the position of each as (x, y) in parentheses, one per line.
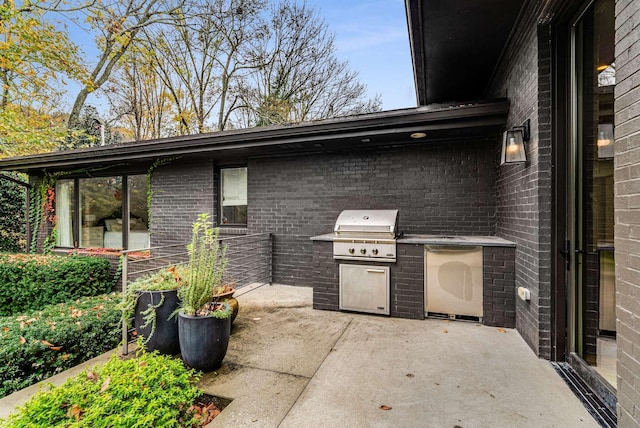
(74, 117)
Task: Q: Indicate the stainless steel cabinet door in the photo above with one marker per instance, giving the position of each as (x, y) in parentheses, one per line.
(364, 288)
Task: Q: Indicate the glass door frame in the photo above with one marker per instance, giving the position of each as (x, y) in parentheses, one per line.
(575, 216)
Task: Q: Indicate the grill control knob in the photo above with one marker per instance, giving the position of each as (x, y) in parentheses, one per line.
(363, 251)
(352, 250)
(374, 251)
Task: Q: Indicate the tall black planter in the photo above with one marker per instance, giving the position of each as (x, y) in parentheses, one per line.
(203, 341)
(165, 337)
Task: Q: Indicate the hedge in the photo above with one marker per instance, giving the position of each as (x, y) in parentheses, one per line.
(29, 282)
(38, 344)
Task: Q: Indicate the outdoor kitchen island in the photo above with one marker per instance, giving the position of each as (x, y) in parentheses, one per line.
(406, 273)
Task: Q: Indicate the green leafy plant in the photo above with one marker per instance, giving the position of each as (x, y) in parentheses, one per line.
(165, 279)
(207, 263)
(12, 202)
(150, 390)
(29, 282)
(50, 242)
(38, 344)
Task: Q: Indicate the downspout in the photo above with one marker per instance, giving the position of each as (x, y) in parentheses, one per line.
(27, 203)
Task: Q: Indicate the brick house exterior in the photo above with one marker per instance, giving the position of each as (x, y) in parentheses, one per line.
(300, 177)
(627, 209)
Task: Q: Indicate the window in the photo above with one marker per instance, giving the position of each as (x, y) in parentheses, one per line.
(65, 208)
(233, 196)
(89, 212)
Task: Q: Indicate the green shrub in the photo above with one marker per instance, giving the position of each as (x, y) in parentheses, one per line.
(29, 282)
(39, 344)
(12, 210)
(152, 390)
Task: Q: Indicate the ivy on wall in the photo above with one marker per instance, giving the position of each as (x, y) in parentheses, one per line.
(150, 192)
(13, 196)
(41, 210)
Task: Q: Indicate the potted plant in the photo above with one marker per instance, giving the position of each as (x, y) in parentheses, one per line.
(152, 301)
(224, 293)
(204, 324)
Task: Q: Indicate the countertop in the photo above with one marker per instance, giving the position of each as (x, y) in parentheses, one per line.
(463, 240)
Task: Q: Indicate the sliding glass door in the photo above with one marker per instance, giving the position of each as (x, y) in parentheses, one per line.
(591, 320)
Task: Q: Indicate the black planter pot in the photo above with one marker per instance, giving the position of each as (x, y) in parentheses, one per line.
(165, 336)
(203, 341)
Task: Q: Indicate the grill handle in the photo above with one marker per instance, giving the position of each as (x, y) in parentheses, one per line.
(375, 270)
(451, 249)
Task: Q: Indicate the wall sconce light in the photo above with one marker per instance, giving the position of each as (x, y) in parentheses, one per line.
(605, 134)
(513, 150)
(605, 140)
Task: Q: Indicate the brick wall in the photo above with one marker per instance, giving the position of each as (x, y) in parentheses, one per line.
(524, 194)
(440, 189)
(326, 290)
(498, 285)
(407, 282)
(627, 209)
(180, 191)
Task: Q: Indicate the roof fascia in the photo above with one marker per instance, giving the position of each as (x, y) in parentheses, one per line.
(385, 123)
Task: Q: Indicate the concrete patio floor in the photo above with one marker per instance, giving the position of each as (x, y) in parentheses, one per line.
(289, 365)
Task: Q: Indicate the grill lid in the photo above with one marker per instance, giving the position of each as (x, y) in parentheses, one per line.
(365, 222)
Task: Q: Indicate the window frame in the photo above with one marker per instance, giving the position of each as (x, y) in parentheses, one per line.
(76, 222)
(220, 195)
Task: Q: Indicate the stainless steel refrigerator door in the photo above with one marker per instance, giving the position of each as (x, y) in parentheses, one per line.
(453, 280)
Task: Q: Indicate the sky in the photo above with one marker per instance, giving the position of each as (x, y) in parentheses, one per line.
(371, 34)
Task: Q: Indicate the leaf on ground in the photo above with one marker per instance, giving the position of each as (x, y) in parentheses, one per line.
(92, 376)
(47, 343)
(410, 375)
(105, 384)
(75, 412)
(5, 329)
(22, 340)
(55, 348)
(384, 407)
(445, 331)
(31, 320)
(142, 364)
(65, 357)
(502, 330)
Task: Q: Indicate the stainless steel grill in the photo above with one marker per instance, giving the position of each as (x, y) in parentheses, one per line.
(366, 235)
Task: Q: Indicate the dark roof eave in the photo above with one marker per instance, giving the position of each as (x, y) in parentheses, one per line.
(393, 122)
(416, 43)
